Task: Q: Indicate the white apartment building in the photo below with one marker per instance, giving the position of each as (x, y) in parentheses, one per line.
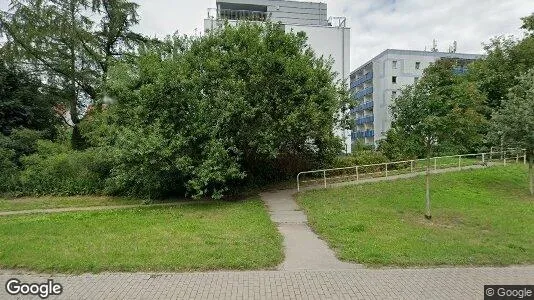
(377, 83)
(328, 37)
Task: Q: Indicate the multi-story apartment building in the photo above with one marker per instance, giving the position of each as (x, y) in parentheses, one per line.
(377, 83)
(328, 37)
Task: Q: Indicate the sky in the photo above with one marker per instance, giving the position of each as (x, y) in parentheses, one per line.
(376, 25)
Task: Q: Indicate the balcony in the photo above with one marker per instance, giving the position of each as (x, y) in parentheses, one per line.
(234, 14)
(365, 120)
(363, 93)
(364, 106)
(363, 134)
(361, 80)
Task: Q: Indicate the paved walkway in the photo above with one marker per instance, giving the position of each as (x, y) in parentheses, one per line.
(303, 248)
(445, 283)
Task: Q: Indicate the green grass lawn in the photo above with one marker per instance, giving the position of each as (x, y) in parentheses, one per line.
(27, 203)
(480, 217)
(204, 236)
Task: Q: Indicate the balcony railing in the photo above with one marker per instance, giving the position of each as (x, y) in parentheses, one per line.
(364, 78)
(231, 14)
(363, 134)
(363, 93)
(365, 120)
(364, 106)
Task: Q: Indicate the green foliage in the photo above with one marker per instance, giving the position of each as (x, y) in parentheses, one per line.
(9, 171)
(57, 170)
(506, 60)
(364, 157)
(72, 44)
(23, 103)
(513, 124)
(442, 114)
(243, 104)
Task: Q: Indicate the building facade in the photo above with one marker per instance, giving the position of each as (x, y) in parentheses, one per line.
(377, 83)
(327, 36)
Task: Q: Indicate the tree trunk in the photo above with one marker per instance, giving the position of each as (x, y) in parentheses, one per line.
(428, 213)
(530, 172)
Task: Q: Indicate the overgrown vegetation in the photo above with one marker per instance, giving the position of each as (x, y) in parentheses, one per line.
(199, 117)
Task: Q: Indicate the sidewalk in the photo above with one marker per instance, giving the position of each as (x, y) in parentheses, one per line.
(441, 283)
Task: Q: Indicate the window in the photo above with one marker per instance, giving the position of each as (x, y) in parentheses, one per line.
(418, 65)
(415, 79)
(394, 64)
(394, 79)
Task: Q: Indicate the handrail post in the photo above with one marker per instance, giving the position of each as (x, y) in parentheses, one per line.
(517, 158)
(298, 183)
(483, 158)
(324, 176)
(411, 166)
(459, 161)
(386, 170)
(357, 174)
(435, 163)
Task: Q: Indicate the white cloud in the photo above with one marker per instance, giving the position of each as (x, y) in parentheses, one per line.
(376, 24)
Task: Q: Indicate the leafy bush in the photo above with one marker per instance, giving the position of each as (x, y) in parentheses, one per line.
(242, 104)
(366, 157)
(8, 170)
(57, 170)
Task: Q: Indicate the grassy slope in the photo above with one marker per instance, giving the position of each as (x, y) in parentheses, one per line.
(482, 217)
(27, 203)
(219, 235)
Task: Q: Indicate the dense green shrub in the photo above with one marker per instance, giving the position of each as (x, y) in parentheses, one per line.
(57, 170)
(366, 157)
(8, 170)
(238, 106)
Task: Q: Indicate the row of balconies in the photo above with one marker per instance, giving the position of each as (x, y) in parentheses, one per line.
(361, 80)
(363, 134)
(365, 120)
(364, 106)
(363, 93)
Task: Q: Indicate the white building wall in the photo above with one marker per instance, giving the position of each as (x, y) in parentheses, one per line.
(406, 73)
(384, 87)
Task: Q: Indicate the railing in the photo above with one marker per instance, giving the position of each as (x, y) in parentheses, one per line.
(363, 93)
(364, 106)
(231, 14)
(365, 120)
(385, 170)
(364, 134)
(361, 80)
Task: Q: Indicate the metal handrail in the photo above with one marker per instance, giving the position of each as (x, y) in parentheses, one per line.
(414, 161)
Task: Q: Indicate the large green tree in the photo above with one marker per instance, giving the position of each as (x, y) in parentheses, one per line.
(442, 112)
(238, 105)
(514, 122)
(507, 58)
(24, 103)
(70, 43)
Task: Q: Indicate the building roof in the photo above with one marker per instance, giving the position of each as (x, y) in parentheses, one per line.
(420, 53)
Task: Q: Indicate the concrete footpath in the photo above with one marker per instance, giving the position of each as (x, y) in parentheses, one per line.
(304, 250)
